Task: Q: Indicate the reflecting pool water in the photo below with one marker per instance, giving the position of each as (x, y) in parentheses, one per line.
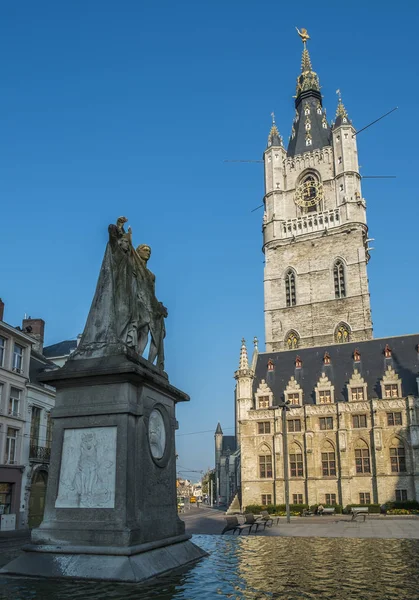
(259, 568)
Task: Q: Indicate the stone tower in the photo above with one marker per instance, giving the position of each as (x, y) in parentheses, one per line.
(314, 227)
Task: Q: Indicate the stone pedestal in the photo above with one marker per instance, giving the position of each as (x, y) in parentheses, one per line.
(111, 505)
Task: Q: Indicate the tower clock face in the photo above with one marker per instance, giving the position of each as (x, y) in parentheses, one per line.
(309, 193)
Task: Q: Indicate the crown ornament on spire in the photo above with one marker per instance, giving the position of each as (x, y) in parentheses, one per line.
(274, 137)
(308, 80)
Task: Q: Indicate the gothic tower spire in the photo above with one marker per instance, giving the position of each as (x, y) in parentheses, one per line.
(310, 129)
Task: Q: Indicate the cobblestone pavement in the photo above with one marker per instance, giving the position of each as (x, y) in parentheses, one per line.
(205, 520)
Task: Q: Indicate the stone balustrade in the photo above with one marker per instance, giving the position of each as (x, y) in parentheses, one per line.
(310, 223)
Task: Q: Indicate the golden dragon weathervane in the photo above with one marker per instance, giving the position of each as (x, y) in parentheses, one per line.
(303, 34)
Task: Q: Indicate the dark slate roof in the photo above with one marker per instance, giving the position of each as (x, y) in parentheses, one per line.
(218, 430)
(372, 366)
(37, 364)
(61, 349)
(320, 137)
(229, 443)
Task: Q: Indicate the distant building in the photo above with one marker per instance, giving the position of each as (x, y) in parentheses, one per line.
(59, 353)
(25, 429)
(352, 418)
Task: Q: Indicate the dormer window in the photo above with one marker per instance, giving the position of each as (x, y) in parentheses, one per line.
(357, 355)
(391, 385)
(357, 388)
(326, 358)
(294, 393)
(308, 141)
(263, 396)
(319, 110)
(263, 402)
(306, 110)
(271, 366)
(387, 351)
(298, 362)
(324, 124)
(325, 391)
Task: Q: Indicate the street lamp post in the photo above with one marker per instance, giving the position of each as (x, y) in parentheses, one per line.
(284, 408)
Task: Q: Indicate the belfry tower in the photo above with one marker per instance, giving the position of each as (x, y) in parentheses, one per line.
(314, 227)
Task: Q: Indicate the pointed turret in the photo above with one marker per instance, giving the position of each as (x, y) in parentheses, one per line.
(218, 438)
(244, 361)
(310, 129)
(274, 137)
(244, 378)
(341, 114)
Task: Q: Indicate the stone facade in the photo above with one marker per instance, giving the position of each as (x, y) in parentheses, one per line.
(352, 402)
(307, 229)
(340, 443)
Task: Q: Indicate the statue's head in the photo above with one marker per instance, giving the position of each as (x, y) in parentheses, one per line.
(124, 243)
(144, 251)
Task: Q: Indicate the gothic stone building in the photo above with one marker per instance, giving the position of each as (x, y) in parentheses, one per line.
(353, 407)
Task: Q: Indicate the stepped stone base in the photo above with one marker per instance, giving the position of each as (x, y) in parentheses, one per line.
(134, 564)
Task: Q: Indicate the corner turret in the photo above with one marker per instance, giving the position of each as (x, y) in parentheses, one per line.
(244, 377)
(218, 444)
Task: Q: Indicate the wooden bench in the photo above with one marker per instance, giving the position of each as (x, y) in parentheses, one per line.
(359, 511)
(234, 525)
(328, 511)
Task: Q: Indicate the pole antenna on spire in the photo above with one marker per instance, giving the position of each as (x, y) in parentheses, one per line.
(273, 118)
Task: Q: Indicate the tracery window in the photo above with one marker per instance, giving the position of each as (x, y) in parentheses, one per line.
(290, 288)
(265, 466)
(296, 465)
(292, 340)
(342, 334)
(398, 457)
(339, 279)
(328, 461)
(362, 459)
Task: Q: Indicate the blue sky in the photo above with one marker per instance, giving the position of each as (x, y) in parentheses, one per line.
(110, 108)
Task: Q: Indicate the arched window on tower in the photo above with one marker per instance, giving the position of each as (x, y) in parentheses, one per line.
(290, 288)
(292, 339)
(339, 279)
(342, 333)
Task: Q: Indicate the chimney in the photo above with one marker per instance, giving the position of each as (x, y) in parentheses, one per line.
(1, 309)
(35, 328)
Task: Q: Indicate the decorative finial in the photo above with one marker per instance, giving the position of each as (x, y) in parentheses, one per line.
(244, 361)
(274, 137)
(255, 342)
(341, 110)
(303, 34)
